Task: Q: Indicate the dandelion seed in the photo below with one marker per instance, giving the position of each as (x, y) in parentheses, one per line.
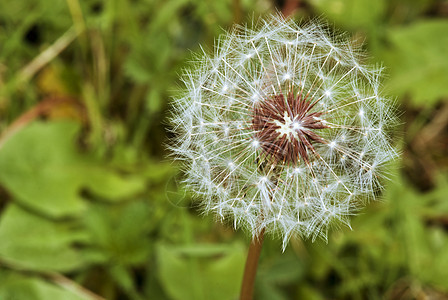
(300, 133)
(255, 143)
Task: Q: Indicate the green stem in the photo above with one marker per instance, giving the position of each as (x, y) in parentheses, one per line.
(250, 270)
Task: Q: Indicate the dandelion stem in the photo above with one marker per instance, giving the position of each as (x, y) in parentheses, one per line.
(250, 270)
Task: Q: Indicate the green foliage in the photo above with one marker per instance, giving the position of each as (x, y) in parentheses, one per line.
(90, 207)
(414, 54)
(278, 272)
(391, 240)
(118, 234)
(41, 167)
(417, 61)
(15, 286)
(201, 271)
(34, 243)
(352, 13)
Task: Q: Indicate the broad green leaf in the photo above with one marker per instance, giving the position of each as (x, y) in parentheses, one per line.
(110, 186)
(201, 271)
(18, 287)
(416, 61)
(35, 243)
(39, 166)
(42, 167)
(119, 234)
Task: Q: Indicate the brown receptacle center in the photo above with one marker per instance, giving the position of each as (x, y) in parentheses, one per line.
(285, 127)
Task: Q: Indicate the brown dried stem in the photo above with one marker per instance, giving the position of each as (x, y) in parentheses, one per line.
(250, 270)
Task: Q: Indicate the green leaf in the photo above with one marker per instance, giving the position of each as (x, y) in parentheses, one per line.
(39, 166)
(351, 13)
(110, 186)
(124, 279)
(17, 287)
(118, 234)
(274, 275)
(408, 10)
(35, 243)
(154, 101)
(202, 271)
(43, 169)
(419, 243)
(269, 292)
(309, 293)
(416, 61)
(285, 269)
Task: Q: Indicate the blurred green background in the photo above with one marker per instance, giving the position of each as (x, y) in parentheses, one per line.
(92, 208)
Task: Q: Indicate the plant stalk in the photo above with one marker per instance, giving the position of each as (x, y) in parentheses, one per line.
(250, 270)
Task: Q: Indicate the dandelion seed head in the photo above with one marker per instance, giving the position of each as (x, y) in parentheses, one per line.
(255, 143)
(287, 76)
(283, 128)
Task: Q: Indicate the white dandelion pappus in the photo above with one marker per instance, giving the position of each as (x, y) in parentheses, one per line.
(283, 129)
